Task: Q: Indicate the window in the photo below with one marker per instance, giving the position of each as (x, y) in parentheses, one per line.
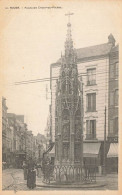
(111, 98)
(90, 129)
(112, 71)
(91, 102)
(116, 126)
(116, 97)
(116, 70)
(91, 76)
(111, 126)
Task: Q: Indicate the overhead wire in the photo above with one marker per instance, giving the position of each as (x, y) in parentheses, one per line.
(52, 78)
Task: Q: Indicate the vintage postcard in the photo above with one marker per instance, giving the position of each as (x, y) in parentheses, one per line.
(60, 96)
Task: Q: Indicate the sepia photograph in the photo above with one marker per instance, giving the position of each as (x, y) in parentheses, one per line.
(60, 95)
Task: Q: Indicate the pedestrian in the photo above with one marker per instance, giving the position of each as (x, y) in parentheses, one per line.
(31, 175)
(25, 170)
(46, 169)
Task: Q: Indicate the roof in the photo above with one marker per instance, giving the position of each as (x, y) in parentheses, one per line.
(93, 51)
(10, 115)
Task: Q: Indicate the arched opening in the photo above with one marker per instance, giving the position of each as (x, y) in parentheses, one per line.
(78, 125)
(64, 87)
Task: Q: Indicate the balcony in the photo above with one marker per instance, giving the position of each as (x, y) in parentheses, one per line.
(113, 138)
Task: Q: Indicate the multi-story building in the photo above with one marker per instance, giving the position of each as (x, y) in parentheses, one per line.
(16, 136)
(113, 95)
(94, 66)
(18, 143)
(4, 129)
(113, 104)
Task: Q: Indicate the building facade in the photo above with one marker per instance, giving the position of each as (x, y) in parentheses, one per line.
(113, 110)
(113, 95)
(4, 129)
(94, 65)
(19, 143)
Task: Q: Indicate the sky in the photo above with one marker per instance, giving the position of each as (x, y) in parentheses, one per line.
(34, 38)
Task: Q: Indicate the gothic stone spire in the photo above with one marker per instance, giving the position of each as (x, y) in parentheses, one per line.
(68, 107)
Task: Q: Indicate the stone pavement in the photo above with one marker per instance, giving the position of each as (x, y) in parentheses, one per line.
(13, 179)
(7, 177)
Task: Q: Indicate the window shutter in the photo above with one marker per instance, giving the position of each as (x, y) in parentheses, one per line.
(88, 127)
(95, 128)
(87, 102)
(90, 102)
(94, 102)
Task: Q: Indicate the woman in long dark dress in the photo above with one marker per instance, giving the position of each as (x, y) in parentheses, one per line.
(31, 177)
(25, 170)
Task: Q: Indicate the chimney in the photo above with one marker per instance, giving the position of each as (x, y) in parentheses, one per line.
(111, 39)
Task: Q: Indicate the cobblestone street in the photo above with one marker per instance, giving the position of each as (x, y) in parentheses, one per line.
(13, 179)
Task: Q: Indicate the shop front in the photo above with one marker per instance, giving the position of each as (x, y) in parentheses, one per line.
(112, 158)
(91, 155)
(19, 158)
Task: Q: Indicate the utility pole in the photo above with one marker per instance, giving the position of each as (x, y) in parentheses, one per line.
(104, 171)
(82, 112)
(26, 141)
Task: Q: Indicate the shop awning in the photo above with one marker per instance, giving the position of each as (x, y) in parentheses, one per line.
(113, 150)
(52, 152)
(91, 149)
(49, 149)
